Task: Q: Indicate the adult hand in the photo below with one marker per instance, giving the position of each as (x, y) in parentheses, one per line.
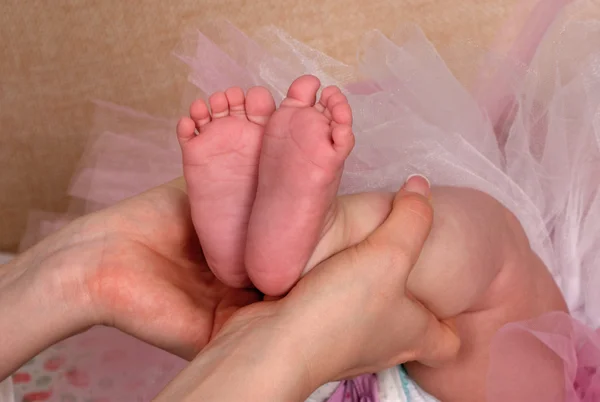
(136, 266)
(350, 315)
(366, 319)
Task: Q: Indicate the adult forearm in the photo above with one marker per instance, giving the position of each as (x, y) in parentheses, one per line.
(33, 311)
(252, 365)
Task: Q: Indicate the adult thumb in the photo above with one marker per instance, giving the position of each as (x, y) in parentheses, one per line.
(404, 232)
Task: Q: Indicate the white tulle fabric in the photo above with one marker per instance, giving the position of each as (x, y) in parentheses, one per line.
(525, 129)
(526, 132)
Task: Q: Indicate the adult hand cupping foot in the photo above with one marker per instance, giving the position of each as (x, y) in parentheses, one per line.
(351, 315)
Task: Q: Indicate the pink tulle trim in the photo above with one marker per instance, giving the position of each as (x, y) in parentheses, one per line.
(360, 389)
(551, 358)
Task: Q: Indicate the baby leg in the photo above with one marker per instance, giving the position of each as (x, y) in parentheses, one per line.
(471, 240)
(476, 269)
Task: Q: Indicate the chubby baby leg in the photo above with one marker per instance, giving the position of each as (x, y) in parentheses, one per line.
(476, 270)
(463, 255)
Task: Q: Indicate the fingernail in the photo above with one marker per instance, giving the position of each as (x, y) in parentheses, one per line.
(419, 184)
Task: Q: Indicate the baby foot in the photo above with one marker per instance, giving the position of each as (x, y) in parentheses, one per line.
(221, 151)
(301, 165)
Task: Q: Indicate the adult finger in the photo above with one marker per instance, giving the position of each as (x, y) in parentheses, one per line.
(427, 340)
(402, 235)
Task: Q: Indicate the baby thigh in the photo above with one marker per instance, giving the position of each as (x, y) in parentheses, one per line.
(478, 270)
(465, 252)
(497, 366)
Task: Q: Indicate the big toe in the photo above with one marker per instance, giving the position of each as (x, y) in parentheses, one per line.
(260, 105)
(303, 92)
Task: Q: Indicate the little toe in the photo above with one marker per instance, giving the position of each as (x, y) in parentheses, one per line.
(236, 99)
(260, 105)
(186, 130)
(302, 92)
(200, 114)
(219, 105)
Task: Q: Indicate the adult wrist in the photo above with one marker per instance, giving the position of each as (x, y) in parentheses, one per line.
(37, 307)
(294, 355)
(250, 363)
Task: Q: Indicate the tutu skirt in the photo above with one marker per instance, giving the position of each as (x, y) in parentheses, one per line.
(524, 127)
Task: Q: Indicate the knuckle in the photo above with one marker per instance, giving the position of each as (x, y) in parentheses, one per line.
(417, 205)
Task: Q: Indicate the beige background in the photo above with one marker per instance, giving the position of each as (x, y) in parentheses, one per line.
(55, 56)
